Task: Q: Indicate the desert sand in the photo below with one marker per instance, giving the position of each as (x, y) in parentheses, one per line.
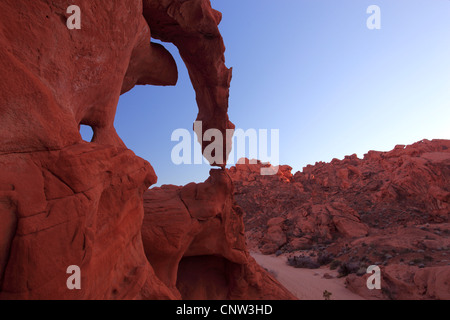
(306, 284)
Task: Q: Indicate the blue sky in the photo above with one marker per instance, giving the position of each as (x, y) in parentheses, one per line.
(313, 70)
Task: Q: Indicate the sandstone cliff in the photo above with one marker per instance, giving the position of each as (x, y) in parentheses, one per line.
(64, 201)
(194, 239)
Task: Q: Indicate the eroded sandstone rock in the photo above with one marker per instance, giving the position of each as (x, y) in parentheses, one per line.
(194, 238)
(389, 209)
(401, 282)
(192, 26)
(346, 198)
(67, 202)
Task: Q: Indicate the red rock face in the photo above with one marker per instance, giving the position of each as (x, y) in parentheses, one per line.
(194, 238)
(192, 27)
(64, 201)
(390, 208)
(76, 206)
(67, 202)
(406, 283)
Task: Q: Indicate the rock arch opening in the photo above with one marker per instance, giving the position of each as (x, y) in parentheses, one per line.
(87, 133)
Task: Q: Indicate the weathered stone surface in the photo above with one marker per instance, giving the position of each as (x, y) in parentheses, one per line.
(346, 198)
(192, 26)
(194, 238)
(64, 201)
(150, 63)
(80, 205)
(402, 282)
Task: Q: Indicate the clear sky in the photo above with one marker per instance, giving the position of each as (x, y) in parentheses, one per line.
(313, 70)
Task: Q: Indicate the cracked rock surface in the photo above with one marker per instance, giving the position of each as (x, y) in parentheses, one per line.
(65, 201)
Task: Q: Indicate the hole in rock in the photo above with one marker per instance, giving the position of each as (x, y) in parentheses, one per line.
(86, 132)
(204, 278)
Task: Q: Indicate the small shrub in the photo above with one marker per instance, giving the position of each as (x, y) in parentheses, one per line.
(302, 262)
(348, 268)
(388, 293)
(327, 295)
(361, 271)
(335, 264)
(324, 258)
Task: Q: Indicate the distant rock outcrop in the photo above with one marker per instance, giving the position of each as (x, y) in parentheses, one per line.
(389, 208)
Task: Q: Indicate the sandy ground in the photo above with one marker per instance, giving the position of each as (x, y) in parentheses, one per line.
(306, 284)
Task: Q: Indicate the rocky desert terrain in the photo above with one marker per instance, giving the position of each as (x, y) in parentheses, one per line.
(389, 209)
(66, 202)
